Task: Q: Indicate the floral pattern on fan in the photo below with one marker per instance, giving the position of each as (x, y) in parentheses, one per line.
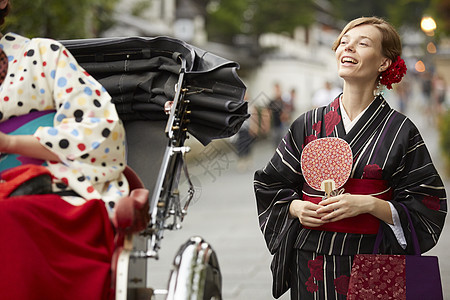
(325, 159)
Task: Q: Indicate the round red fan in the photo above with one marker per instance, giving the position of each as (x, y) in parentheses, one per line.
(3, 65)
(326, 160)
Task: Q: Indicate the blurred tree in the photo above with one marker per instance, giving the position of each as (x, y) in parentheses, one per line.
(225, 19)
(281, 16)
(351, 9)
(398, 12)
(60, 19)
(228, 18)
(407, 12)
(441, 9)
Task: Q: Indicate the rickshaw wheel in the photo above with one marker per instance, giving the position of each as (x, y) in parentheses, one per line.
(196, 272)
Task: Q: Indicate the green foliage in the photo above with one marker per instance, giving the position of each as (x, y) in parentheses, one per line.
(140, 7)
(225, 19)
(398, 12)
(440, 10)
(351, 9)
(228, 18)
(59, 19)
(444, 133)
(408, 12)
(282, 15)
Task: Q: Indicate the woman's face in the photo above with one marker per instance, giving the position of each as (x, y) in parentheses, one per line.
(359, 54)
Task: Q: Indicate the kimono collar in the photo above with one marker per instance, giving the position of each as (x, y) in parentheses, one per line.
(348, 124)
(369, 122)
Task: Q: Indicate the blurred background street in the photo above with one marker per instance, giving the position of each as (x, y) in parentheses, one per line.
(284, 51)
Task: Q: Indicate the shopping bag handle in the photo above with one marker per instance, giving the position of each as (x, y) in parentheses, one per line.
(415, 240)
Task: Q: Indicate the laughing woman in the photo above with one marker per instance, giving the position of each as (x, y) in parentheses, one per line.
(391, 168)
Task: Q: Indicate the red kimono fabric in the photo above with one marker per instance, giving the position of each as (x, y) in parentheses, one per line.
(54, 250)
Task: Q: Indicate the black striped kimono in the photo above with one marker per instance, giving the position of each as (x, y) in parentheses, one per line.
(386, 145)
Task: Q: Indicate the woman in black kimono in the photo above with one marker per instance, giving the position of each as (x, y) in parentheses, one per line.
(312, 255)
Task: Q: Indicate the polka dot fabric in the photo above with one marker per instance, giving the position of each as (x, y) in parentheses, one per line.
(87, 135)
(3, 66)
(326, 158)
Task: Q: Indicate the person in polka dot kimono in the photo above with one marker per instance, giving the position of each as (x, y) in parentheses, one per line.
(83, 144)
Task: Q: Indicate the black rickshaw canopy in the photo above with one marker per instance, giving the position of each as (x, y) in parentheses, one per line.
(141, 74)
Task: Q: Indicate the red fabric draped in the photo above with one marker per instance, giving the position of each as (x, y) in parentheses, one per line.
(362, 224)
(51, 249)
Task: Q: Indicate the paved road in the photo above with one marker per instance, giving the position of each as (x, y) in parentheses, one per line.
(224, 214)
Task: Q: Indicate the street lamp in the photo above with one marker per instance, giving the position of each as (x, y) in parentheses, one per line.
(431, 48)
(428, 25)
(420, 66)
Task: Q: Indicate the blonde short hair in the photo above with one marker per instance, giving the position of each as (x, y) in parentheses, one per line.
(391, 45)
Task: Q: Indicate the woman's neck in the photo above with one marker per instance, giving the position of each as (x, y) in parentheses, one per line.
(355, 99)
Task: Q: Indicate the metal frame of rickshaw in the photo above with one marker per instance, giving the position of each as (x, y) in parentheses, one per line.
(195, 271)
(167, 212)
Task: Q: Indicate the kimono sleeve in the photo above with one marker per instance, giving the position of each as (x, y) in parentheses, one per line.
(418, 186)
(87, 134)
(277, 184)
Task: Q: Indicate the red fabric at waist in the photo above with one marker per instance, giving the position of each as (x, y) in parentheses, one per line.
(53, 250)
(362, 224)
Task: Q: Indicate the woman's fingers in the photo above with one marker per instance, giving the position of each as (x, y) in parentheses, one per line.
(344, 206)
(331, 200)
(334, 215)
(329, 210)
(310, 217)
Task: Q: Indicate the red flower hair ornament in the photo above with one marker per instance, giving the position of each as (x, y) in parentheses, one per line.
(394, 73)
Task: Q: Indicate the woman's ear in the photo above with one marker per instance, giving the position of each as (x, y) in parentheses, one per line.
(384, 64)
(3, 4)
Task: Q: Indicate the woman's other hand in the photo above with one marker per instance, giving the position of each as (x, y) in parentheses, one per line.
(347, 205)
(307, 213)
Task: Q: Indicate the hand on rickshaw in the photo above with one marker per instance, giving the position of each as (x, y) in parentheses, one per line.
(168, 107)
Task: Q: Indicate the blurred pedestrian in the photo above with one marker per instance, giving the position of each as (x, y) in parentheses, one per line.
(262, 120)
(324, 95)
(403, 90)
(245, 139)
(427, 86)
(278, 114)
(439, 89)
(289, 99)
(314, 237)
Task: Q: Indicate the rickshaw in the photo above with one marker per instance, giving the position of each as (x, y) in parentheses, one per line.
(164, 90)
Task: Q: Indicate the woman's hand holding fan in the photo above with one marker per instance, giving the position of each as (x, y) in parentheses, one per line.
(326, 165)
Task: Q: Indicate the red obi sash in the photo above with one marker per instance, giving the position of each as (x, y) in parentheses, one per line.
(362, 224)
